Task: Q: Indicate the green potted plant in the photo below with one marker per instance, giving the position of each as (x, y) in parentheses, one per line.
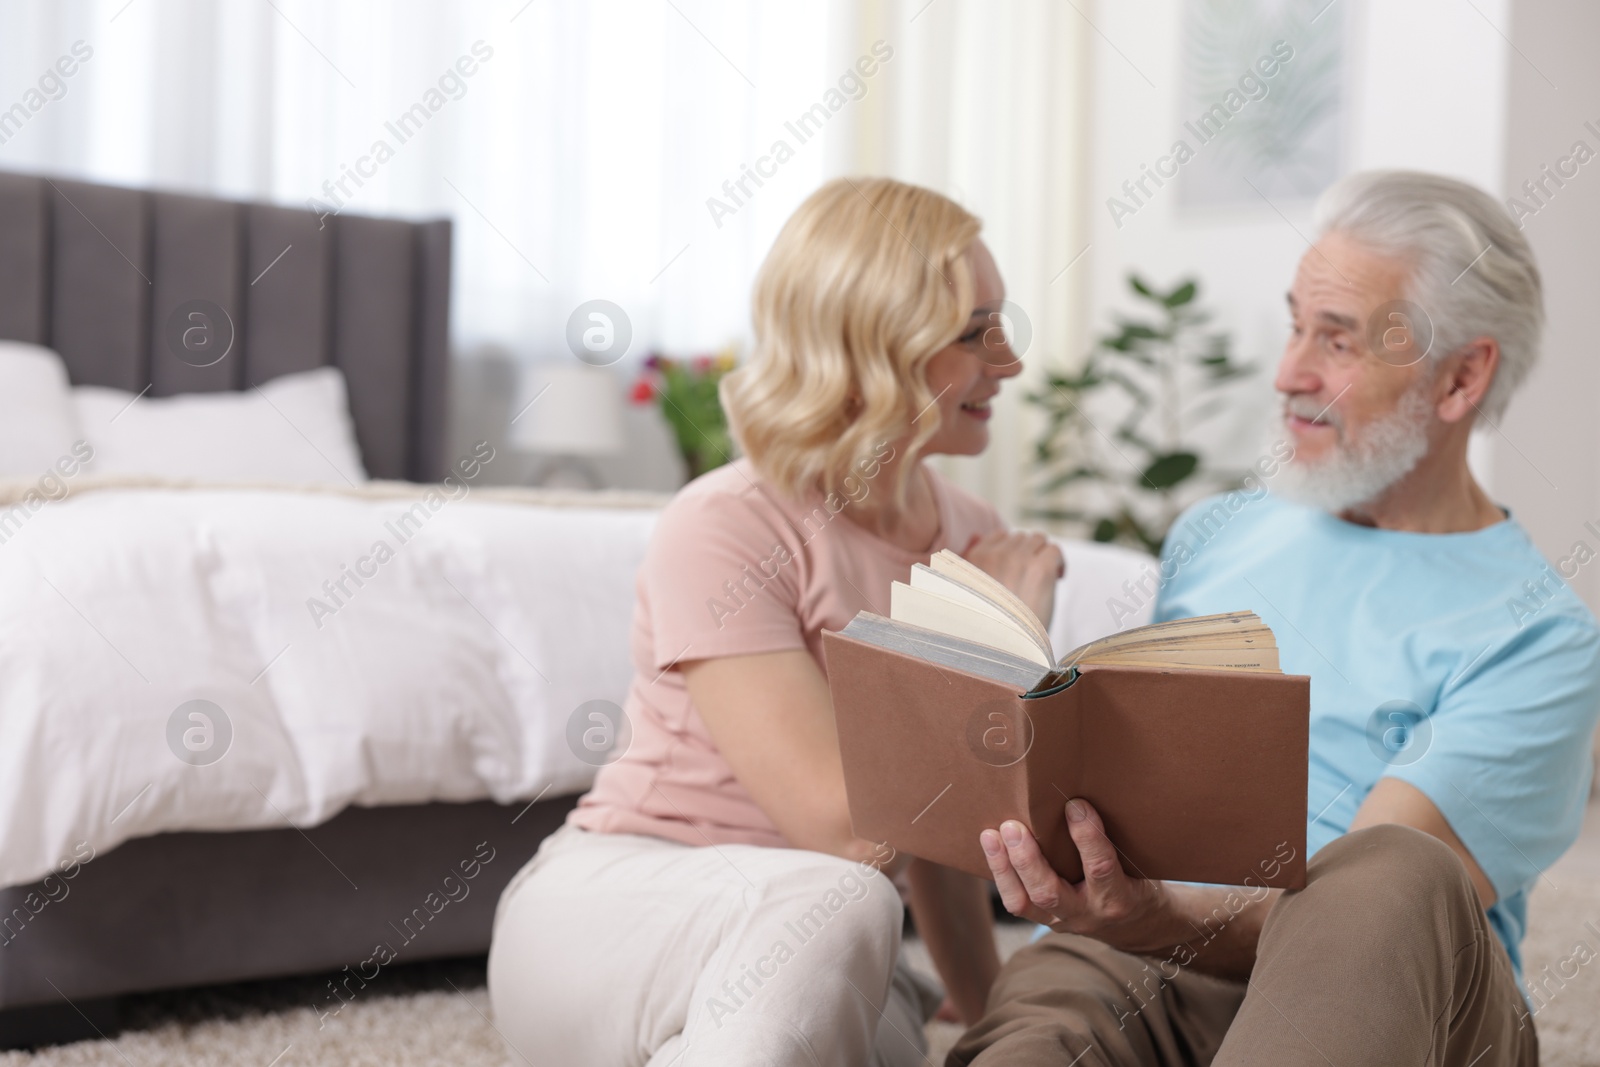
(1124, 475)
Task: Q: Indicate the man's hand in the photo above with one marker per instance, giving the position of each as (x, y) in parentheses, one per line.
(1132, 914)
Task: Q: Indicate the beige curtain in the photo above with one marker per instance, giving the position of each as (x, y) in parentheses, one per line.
(986, 103)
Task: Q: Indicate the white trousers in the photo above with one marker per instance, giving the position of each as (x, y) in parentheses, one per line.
(617, 950)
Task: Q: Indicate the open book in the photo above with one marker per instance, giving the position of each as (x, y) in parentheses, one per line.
(957, 615)
(955, 714)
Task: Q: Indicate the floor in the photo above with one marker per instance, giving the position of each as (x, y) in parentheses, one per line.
(438, 1013)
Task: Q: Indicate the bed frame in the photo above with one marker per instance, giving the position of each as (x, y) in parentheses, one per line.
(96, 272)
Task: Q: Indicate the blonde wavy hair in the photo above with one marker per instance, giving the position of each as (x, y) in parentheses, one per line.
(867, 280)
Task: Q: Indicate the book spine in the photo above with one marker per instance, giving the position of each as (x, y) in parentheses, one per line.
(1053, 769)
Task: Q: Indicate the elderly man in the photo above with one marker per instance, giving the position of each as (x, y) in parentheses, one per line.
(1451, 710)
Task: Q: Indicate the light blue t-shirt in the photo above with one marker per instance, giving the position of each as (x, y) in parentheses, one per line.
(1460, 663)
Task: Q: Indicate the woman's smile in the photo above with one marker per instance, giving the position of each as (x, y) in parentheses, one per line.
(978, 409)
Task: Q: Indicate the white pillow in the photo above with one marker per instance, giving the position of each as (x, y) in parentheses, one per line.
(294, 429)
(37, 423)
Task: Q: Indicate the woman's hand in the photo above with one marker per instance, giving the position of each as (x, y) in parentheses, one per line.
(1027, 563)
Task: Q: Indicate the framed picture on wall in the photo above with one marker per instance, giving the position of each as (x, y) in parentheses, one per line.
(1263, 97)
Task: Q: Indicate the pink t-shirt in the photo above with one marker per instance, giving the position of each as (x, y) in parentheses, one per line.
(734, 567)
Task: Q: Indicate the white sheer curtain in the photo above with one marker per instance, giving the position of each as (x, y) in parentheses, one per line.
(576, 159)
(579, 156)
(986, 103)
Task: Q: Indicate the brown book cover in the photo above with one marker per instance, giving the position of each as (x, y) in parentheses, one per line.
(1199, 775)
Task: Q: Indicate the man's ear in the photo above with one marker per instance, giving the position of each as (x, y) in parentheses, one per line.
(1467, 375)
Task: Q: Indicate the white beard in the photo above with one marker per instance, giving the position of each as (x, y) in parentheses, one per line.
(1360, 467)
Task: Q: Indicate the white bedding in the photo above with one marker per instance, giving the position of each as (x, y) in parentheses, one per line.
(295, 428)
(449, 675)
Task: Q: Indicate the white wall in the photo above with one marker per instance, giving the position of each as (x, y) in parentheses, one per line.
(1425, 89)
(1547, 469)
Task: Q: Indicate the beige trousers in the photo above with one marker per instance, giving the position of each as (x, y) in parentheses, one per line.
(1385, 957)
(616, 950)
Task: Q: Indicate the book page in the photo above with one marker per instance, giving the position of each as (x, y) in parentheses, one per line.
(953, 588)
(1206, 658)
(1232, 640)
(931, 611)
(974, 577)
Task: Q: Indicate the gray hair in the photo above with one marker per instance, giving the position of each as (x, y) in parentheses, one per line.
(1440, 226)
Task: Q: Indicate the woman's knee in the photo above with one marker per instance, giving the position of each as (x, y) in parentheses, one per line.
(818, 893)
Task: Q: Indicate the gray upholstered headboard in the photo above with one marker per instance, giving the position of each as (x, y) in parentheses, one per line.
(96, 272)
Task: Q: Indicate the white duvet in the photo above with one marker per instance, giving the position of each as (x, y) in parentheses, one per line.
(447, 669)
(444, 668)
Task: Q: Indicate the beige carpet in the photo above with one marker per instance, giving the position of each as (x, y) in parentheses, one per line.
(438, 1014)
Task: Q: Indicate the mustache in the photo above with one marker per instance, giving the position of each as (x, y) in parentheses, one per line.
(1306, 408)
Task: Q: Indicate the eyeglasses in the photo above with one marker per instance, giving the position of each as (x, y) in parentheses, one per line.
(1003, 336)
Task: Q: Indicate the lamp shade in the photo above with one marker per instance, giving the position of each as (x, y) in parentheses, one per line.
(570, 410)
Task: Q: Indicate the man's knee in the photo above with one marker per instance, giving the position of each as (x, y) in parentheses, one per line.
(1396, 865)
(1066, 976)
(1059, 996)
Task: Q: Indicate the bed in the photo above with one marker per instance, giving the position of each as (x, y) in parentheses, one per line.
(123, 870)
(396, 746)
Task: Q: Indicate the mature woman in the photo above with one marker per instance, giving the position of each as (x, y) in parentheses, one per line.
(707, 901)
